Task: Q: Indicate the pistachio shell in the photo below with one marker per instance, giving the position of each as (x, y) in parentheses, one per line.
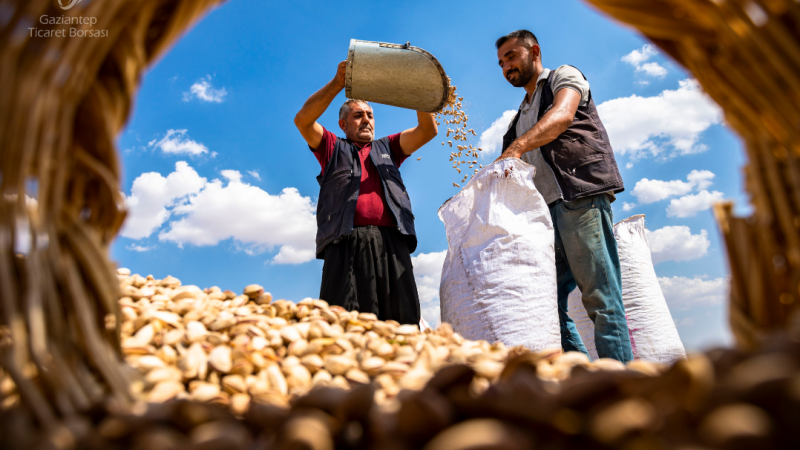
(290, 334)
(298, 378)
(170, 282)
(150, 362)
(220, 359)
(203, 391)
(195, 331)
(372, 365)
(407, 330)
(357, 376)
(607, 364)
(276, 379)
(167, 354)
(321, 378)
(338, 365)
(488, 368)
(225, 319)
(158, 375)
(164, 391)
(340, 382)
(415, 379)
(234, 384)
(264, 299)
(312, 362)
(253, 290)
(145, 335)
(240, 403)
(394, 369)
(367, 317)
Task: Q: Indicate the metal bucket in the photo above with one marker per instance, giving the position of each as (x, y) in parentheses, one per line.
(396, 75)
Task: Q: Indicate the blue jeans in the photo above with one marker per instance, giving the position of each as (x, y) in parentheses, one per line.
(586, 255)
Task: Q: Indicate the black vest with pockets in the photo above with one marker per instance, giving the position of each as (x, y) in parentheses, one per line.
(581, 157)
(338, 193)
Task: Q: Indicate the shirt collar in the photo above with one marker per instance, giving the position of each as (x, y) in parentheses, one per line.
(542, 76)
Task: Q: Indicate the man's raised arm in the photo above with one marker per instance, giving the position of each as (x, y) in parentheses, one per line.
(413, 139)
(315, 106)
(553, 123)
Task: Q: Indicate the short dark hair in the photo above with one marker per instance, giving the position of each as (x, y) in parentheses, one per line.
(525, 37)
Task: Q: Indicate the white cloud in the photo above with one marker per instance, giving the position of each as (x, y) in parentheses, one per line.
(288, 254)
(428, 275)
(256, 220)
(677, 244)
(637, 57)
(689, 205)
(685, 293)
(215, 211)
(139, 248)
(701, 179)
(492, 139)
(176, 143)
(152, 194)
(628, 206)
(651, 191)
(254, 174)
(666, 125)
(653, 69)
(203, 90)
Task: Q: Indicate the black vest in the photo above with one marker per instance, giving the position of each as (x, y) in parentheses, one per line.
(338, 193)
(581, 157)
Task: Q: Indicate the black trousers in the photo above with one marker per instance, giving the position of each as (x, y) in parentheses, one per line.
(370, 271)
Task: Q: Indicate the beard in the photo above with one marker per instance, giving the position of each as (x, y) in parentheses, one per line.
(524, 76)
(364, 134)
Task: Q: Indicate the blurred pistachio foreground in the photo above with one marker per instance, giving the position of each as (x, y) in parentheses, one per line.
(213, 345)
(217, 370)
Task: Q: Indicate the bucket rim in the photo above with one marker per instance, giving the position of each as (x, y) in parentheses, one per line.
(407, 46)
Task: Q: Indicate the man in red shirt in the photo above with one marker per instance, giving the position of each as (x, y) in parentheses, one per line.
(365, 227)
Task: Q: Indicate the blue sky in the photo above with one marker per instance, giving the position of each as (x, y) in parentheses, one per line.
(222, 189)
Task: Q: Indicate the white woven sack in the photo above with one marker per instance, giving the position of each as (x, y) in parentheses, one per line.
(652, 330)
(582, 321)
(499, 275)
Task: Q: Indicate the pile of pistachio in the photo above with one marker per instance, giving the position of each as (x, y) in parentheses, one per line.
(219, 370)
(216, 346)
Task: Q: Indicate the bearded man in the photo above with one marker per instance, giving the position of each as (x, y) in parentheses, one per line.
(365, 227)
(557, 130)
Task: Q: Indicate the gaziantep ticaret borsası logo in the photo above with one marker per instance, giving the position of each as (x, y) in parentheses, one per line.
(70, 5)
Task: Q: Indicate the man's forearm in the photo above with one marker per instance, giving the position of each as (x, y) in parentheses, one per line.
(427, 123)
(552, 124)
(316, 105)
(544, 132)
(413, 139)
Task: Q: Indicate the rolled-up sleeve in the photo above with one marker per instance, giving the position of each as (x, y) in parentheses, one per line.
(572, 78)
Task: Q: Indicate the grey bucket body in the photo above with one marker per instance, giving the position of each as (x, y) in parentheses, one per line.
(396, 75)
